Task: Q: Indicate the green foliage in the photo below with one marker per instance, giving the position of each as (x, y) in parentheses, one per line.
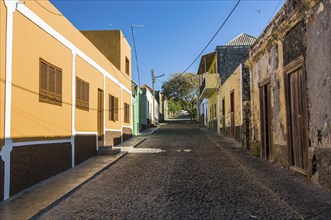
(182, 90)
(174, 106)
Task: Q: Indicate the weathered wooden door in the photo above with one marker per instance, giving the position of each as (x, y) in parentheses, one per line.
(265, 113)
(233, 131)
(100, 117)
(297, 118)
(223, 115)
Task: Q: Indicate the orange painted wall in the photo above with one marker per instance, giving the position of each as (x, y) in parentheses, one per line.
(126, 98)
(31, 118)
(3, 20)
(114, 90)
(87, 120)
(63, 26)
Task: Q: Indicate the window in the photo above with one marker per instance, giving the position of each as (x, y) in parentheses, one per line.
(82, 94)
(50, 83)
(113, 108)
(126, 113)
(127, 66)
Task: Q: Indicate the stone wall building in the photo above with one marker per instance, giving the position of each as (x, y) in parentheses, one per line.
(290, 73)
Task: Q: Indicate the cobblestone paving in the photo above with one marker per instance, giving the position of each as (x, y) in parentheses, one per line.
(200, 176)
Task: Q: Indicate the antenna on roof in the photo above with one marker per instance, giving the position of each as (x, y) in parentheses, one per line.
(259, 11)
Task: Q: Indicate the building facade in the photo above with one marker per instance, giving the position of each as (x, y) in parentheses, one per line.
(234, 108)
(290, 89)
(60, 97)
(137, 99)
(209, 82)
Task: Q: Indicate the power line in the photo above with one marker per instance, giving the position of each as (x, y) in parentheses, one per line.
(274, 12)
(54, 13)
(224, 22)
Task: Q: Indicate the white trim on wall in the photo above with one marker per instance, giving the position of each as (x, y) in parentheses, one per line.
(104, 108)
(8, 147)
(73, 108)
(109, 129)
(87, 132)
(46, 27)
(27, 143)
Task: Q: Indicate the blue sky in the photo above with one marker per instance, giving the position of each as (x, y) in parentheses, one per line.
(174, 32)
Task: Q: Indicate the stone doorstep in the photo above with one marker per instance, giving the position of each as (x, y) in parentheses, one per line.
(108, 150)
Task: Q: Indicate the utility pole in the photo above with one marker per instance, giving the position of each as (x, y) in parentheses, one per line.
(153, 82)
(135, 49)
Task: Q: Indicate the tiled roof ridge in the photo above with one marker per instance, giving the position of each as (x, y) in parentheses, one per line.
(242, 39)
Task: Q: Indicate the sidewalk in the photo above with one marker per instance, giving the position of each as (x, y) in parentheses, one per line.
(31, 201)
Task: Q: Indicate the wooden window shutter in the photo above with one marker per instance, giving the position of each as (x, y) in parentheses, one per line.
(87, 89)
(42, 81)
(50, 83)
(58, 86)
(109, 107)
(78, 92)
(82, 94)
(126, 113)
(116, 109)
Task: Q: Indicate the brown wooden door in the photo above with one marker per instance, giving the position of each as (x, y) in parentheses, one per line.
(223, 115)
(265, 111)
(233, 132)
(100, 116)
(297, 114)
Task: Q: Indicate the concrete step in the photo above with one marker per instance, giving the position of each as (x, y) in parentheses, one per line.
(108, 150)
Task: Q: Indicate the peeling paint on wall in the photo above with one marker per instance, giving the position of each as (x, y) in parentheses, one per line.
(300, 29)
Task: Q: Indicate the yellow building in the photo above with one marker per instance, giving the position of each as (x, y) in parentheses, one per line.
(61, 98)
(209, 83)
(234, 105)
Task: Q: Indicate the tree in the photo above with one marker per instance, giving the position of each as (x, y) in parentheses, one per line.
(174, 107)
(183, 89)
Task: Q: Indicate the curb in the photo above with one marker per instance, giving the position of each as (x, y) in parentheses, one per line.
(69, 193)
(66, 195)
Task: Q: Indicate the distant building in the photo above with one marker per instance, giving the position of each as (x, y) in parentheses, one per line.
(209, 82)
(231, 55)
(233, 96)
(147, 107)
(214, 70)
(234, 99)
(137, 102)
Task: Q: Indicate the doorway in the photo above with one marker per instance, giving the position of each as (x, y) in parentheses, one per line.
(265, 108)
(232, 127)
(223, 116)
(297, 116)
(100, 117)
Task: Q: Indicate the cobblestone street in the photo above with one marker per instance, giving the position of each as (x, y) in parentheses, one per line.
(199, 175)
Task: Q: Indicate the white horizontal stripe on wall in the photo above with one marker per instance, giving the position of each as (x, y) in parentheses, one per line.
(27, 143)
(109, 129)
